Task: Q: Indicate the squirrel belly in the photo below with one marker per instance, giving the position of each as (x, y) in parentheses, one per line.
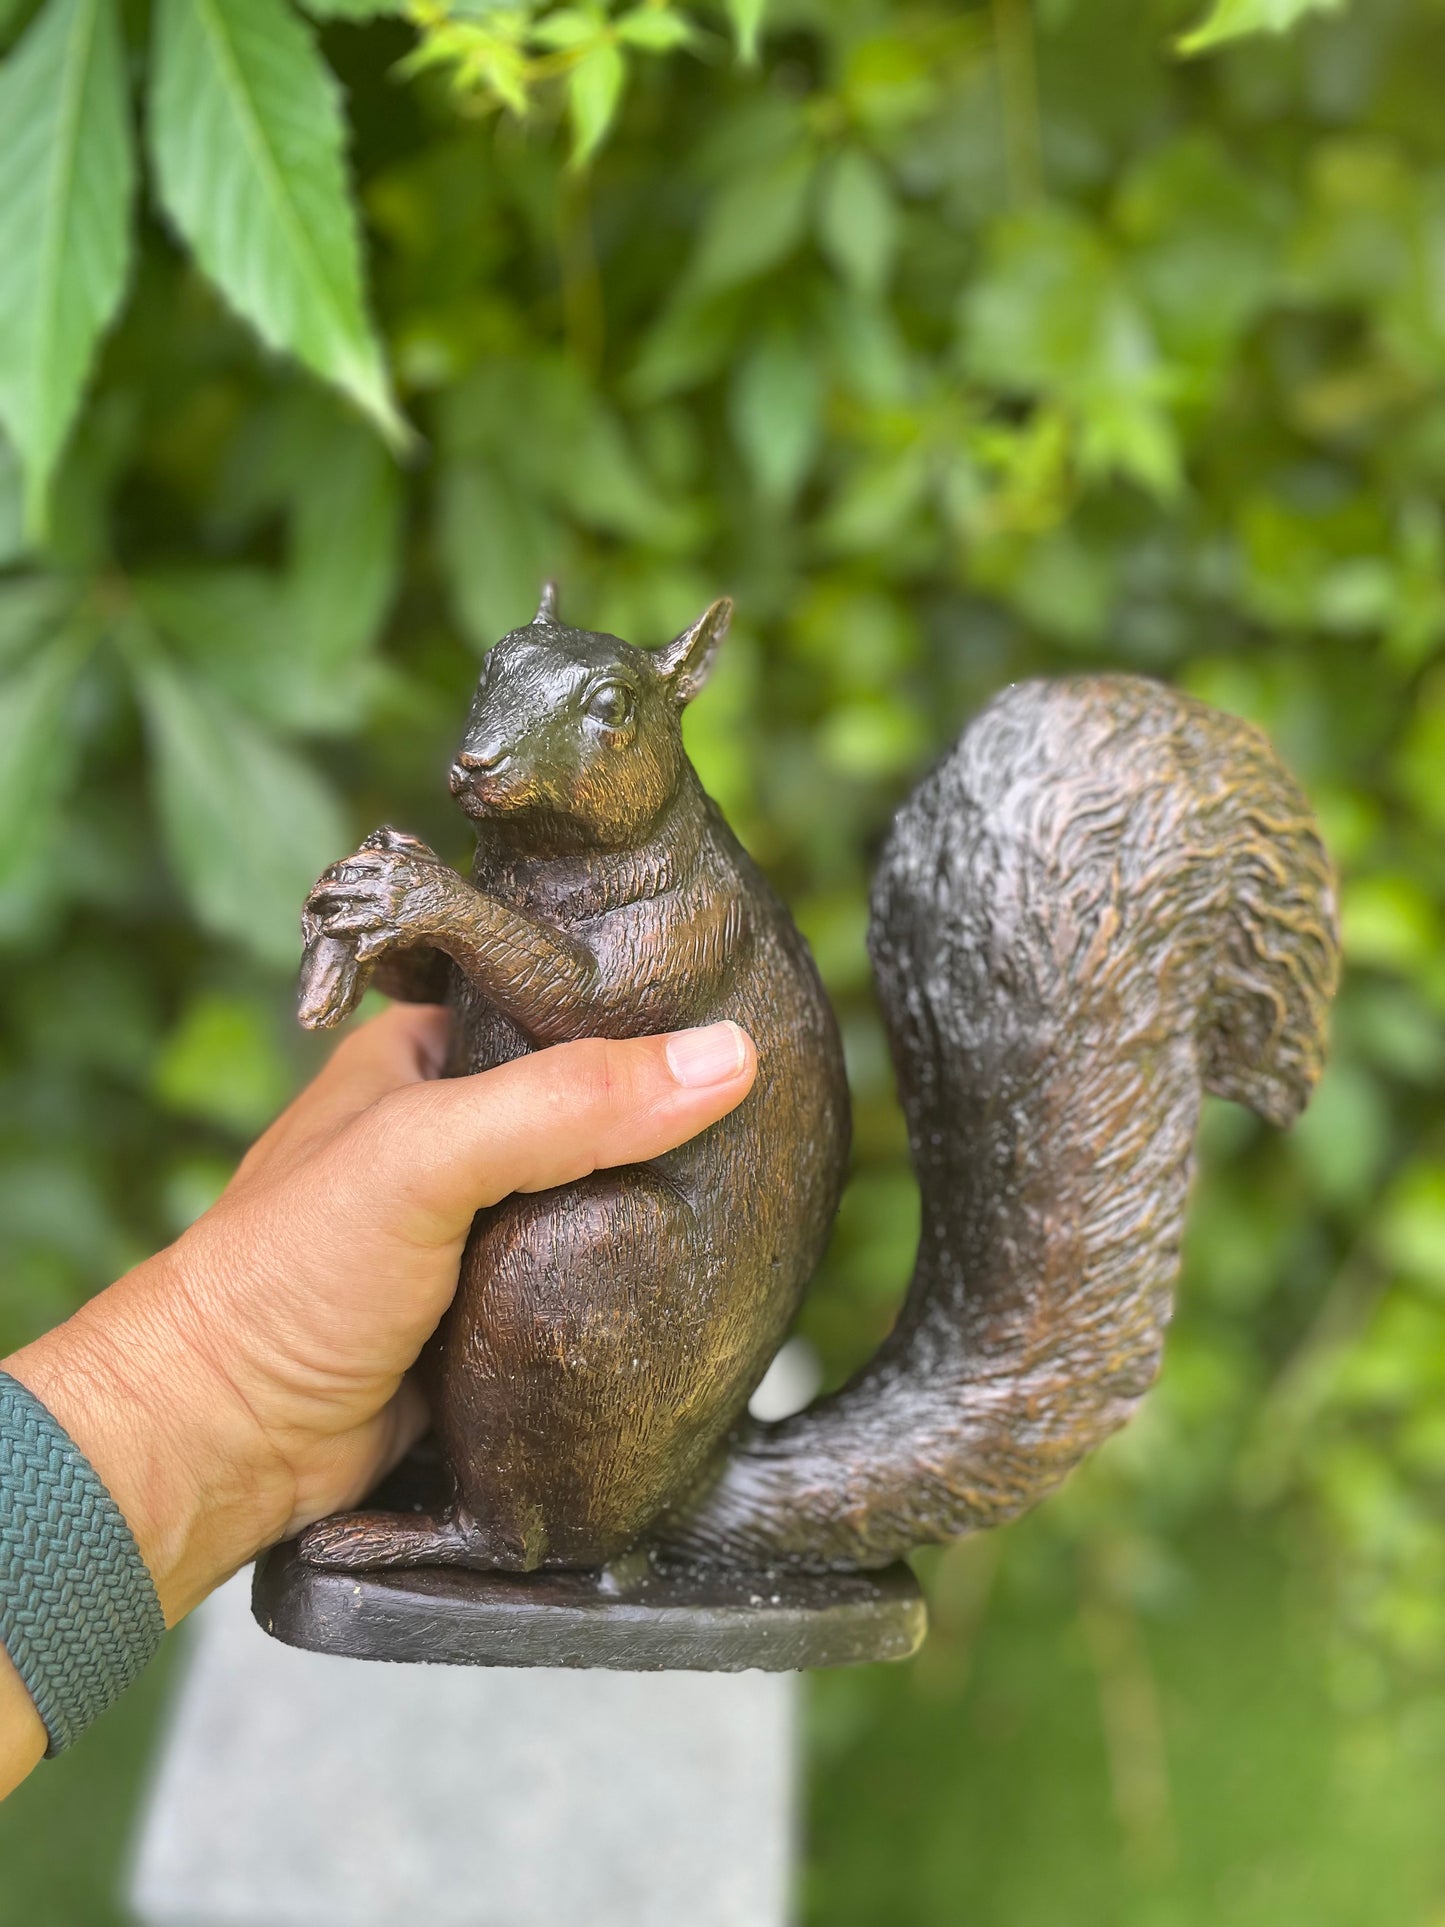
(605, 1335)
(1107, 900)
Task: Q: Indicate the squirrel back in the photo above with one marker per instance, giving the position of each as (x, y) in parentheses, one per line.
(1108, 900)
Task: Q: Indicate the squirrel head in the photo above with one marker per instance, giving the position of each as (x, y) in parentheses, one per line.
(574, 740)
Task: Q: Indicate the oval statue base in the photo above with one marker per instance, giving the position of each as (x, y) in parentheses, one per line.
(699, 1619)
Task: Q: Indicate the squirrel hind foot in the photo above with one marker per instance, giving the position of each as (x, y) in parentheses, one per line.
(372, 1541)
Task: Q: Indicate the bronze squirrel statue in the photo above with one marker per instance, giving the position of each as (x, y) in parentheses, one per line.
(1105, 901)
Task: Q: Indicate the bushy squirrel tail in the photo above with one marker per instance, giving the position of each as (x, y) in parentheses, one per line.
(1108, 900)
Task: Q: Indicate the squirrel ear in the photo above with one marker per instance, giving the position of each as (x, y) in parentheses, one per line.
(547, 607)
(686, 662)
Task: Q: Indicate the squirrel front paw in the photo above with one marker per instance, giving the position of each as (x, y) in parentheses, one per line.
(393, 892)
(332, 983)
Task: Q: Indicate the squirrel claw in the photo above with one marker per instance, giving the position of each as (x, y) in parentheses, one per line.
(378, 900)
(396, 842)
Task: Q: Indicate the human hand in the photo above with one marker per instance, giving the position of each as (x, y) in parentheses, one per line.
(250, 1378)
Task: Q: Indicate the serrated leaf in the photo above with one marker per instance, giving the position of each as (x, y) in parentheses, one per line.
(38, 750)
(67, 175)
(248, 825)
(248, 137)
(747, 19)
(594, 87)
(1233, 19)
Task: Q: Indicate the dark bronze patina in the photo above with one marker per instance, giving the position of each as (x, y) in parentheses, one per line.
(1107, 900)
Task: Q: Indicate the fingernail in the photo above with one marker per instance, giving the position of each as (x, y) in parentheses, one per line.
(708, 1056)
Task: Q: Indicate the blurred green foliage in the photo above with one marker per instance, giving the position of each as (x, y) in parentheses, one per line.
(959, 343)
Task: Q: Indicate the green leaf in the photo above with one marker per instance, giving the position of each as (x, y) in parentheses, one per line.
(310, 460)
(877, 500)
(247, 134)
(568, 27)
(67, 174)
(1390, 922)
(655, 30)
(38, 748)
(248, 825)
(345, 553)
(747, 19)
(31, 606)
(1052, 314)
(289, 645)
(756, 221)
(1343, 1139)
(497, 544)
(1233, 19)
(355, 9)
(1412, 1225)
(594, 87)
(222, 1063)
(12, 506)
(237, 627)
(776, 399)
(882, 737)
(1419, 764)
(1205, 237)
(603, 484)
(858, 221)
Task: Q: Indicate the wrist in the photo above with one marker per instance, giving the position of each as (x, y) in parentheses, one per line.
(167, 1434)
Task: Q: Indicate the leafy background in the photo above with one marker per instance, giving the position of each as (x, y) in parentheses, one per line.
(959, 342)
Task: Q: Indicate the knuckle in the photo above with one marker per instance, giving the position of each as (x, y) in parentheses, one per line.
(607, 1073)
(384, 1129)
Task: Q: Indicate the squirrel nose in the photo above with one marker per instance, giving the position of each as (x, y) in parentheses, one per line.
(471, 762)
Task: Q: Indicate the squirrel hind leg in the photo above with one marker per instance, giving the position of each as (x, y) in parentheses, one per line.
(371, 1541)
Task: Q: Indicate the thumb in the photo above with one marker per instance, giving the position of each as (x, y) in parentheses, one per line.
(442, 1150)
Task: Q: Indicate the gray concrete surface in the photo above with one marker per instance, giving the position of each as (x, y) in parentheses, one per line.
(297, 1790)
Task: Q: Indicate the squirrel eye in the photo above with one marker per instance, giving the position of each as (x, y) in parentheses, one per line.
(611, 705)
